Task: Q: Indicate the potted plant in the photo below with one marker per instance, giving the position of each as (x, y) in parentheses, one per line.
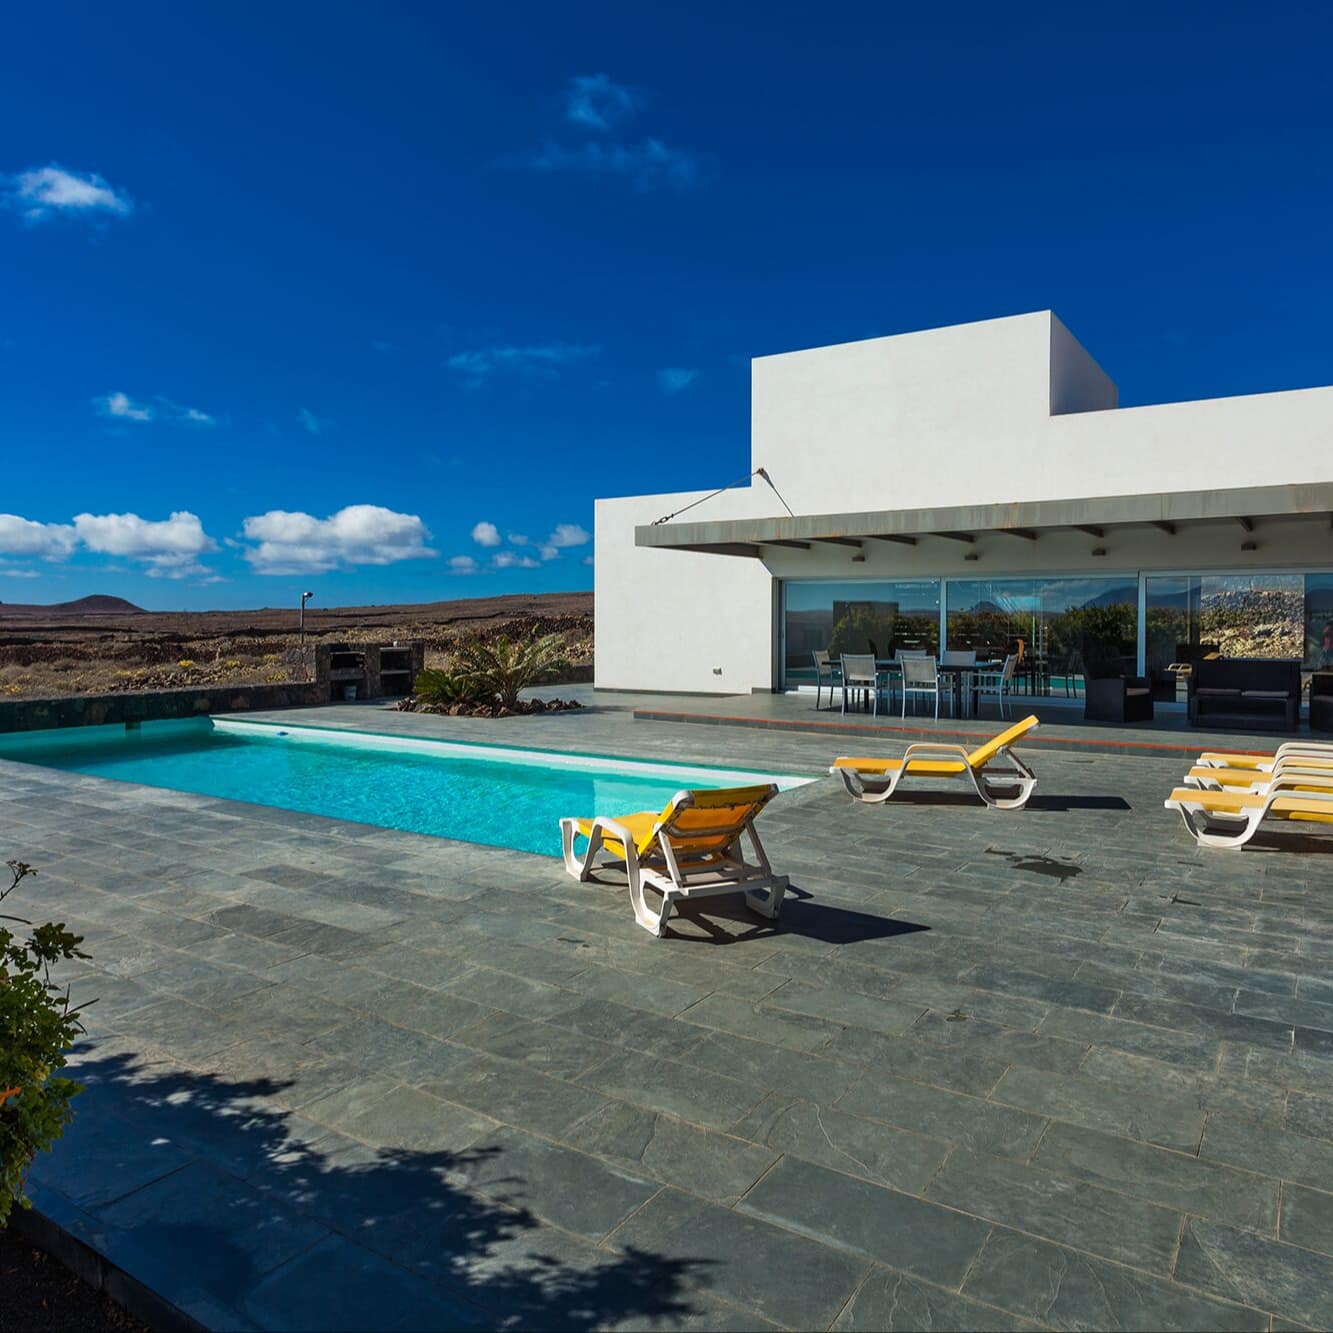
(37, 1029)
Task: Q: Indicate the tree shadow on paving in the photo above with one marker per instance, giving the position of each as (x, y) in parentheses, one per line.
(267, 1186)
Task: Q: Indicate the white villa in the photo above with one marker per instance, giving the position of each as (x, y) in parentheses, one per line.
(964, 486)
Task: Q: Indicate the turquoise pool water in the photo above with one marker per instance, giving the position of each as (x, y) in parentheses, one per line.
(479, 793)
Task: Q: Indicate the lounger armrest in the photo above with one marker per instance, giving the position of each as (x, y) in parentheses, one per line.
(1289, 782)
(921, 748)
(617, 831)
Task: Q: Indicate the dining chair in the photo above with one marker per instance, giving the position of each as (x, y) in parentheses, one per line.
(827, 672)
(997, 684)
(921, 676)
(860, 673)
(962, 686)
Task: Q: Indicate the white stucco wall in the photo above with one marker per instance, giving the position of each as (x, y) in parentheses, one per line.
(1005, 410)
(679, 621)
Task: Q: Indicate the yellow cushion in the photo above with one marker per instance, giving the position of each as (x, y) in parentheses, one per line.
(1227, 760)
(944, 768)
(985, 753)
(1242, 778)
(1237, 802)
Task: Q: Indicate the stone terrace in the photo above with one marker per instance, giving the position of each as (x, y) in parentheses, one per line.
(1054, 1068)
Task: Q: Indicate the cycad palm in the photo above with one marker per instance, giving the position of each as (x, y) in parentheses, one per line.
(505, 666)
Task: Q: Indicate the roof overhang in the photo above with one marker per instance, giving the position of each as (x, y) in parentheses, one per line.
(1025, 520)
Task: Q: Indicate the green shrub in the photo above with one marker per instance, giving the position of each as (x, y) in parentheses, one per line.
(445, 687)
(505, 666)
(37, 1029)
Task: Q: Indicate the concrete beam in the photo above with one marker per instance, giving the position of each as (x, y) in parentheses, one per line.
(1165, 511)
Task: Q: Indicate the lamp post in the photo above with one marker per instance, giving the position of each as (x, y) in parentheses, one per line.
(305, 597)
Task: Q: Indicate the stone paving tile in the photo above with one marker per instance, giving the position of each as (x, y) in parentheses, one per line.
(1310, 1115)
(887, 1302)
(1031, 1049)
(514, 1093)
(719, 1167)
(206, 1236)
(546, 1048)
(1063, 1289)
(340, 1286)
(1174, 1180)
(848, 1008)
(582, 1194)
(635, 1029)
(849, 1143)
(917, 1237)
(1224, 1026)
(404, 1118)
(712, 1100)
(1260, 1148)
(1182, 1049)
(1301, 1070)
(796, 1032)
(814, 1077)
(1110, 1225)
(1243, 1266)
(787, 1278)
(961, 1069)
(658, 995)
(976, 1125)
(1158, 1081)
(1307, 1218)
(1171, 1124)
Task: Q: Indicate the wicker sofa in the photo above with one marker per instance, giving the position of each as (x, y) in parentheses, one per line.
(1246, 692)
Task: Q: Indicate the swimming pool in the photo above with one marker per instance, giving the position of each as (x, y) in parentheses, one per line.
(479, 793)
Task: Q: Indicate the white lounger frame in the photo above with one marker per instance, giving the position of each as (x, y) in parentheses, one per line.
(723, 873)
(1206, 826)
(989, 783)
(1288, 751)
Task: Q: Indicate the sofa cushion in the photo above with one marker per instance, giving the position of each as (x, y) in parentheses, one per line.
(1266, 694)
(1135, 692)
(1213, 692)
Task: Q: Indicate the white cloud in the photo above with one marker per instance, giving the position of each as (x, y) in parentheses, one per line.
(596, 101)
(548, 552)
(20, 573)
(122, 406)
(589, 560)
(517, 539)
(170, 547)
(569, 534)
(24, 536)
(463, 564)
(315, 425)
(514, 560)
(543, 359)
(650, 165)
(51, 191)
(486, 534)
(675, 378)
(298, 543)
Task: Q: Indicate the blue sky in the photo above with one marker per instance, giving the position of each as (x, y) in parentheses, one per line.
(350, 299)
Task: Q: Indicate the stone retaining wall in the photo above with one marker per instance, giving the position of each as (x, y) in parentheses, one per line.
(90, 710)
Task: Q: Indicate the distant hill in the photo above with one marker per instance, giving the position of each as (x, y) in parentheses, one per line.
(97, 605)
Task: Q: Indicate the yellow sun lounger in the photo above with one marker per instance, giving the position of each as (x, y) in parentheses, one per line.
(1318, 754)
(1003, 787)
(1303, 772)
(1232, 818)
(691, 850)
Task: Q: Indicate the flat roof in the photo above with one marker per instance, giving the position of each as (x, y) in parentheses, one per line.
(1025, 520)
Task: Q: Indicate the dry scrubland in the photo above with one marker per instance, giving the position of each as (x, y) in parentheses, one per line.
(101, 645)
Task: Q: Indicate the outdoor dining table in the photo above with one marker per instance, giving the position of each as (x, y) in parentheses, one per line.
(959, 673)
